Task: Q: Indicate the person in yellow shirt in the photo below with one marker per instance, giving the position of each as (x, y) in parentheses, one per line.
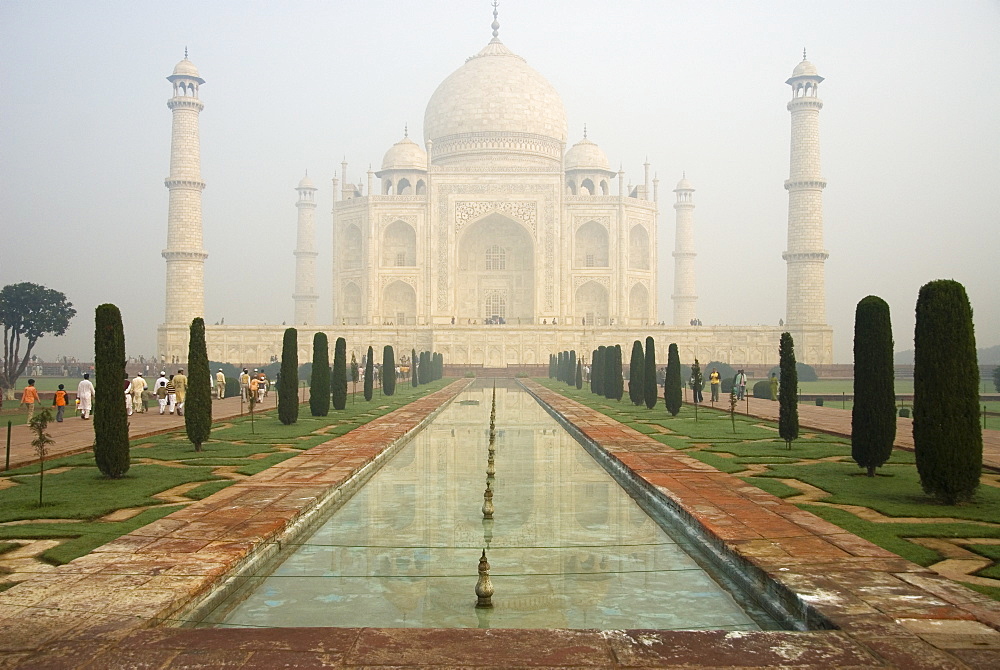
(716, 382)
(180, 385)
(29, 397)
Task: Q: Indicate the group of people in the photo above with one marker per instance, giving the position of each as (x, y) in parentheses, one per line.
(254, 386)
(170, 393)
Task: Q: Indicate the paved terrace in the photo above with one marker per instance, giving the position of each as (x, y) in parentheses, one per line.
(112, 608)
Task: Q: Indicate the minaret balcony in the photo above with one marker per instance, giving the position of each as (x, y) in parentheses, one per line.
(805, 184)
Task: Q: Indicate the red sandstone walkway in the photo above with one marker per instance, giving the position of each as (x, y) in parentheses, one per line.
(838, 422)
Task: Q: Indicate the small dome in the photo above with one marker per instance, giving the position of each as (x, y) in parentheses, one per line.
(684, 185)
(306, 183)
(805, 69)
(186, 69)
(405, 155)
(586, 155)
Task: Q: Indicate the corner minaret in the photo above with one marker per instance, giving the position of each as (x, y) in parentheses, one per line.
(684, 297)
(806, 292)
(305, 255)
(184, 253)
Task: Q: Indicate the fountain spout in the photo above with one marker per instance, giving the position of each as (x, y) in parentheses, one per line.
(484, 587)
(488, 502)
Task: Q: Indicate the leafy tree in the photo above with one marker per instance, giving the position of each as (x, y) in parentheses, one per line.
(636, 367)
(947, 437)
(38, 424)
(552, 366)
(579, 374)
(561, 366)
(619, 377)
(28, 312)
(413, 367)
(873, 418)
(608, 374)
(339, 382)
(369, 374)
(650, 394)
(388, 370)
(111, 445)
(288, 384)
(571, 368)
(788, 392)
(440, 366)
(672, 396)
(593, 370)
(198, 405)
(319, 379)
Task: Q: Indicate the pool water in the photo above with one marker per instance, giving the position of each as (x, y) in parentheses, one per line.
(567, 546)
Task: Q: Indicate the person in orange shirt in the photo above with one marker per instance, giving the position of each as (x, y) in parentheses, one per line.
(29, 398)
(60, 401)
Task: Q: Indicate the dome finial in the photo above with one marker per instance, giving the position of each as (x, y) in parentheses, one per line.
(803, 53)
(585, 131)
(496, 24)
(406, 130)
(185, 53)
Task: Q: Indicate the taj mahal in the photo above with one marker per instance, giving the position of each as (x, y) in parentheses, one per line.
(497, 242)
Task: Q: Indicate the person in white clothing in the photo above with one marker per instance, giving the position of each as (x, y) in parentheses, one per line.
(85, 395)
(139, 387)
(160, 389)
(220, 384)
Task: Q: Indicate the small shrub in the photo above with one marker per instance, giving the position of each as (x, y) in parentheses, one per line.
(803, 372)
(904, 412)
(472, 374)
(520, 375)
(761, 389)
(819, 401)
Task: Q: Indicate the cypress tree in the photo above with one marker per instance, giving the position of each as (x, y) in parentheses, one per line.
(608, 382)
(597, 372)
(319, 380)
(111, 445)
(571, 368)
(636, 368)
(873, 418)
(369, 374)
(947, 437)
(672, 396)
(788, 393)
(440, 366)
(619, 377)
(649, 375)
(388, 370)
(579, 374)
(552, 366)
(198, 404)
(426, 374)
(413, 367)
(355, 375)
(339, 381)
(288, 385)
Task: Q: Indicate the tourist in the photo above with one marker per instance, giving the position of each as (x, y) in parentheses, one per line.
(59, 402)
(740, 382)
(244, 384)
(220, 384)
(171, 394)
(128, 395)
(774, 386)
(85, 396)
(160, 388)
(29, 397)
(181, 384)
(138, 387)
(716, 383)
(696, 389)
(253, 388)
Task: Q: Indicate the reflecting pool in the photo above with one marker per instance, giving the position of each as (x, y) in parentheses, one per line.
(568, 547)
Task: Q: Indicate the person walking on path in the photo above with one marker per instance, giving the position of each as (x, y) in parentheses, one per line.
(85, 396)
(244, 384)
(29, 397)
(171, 394)
(716, 383)
(696, 387)
(774, 386)
(220, 384)
(740, 382)
(161, 391)
(180, 384)
(59, 401)
(139, 387)
(128, 395)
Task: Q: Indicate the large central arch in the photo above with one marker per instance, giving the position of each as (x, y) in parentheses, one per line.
(496, 258)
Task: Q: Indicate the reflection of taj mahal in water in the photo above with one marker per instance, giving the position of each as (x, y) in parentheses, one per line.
(494, 221)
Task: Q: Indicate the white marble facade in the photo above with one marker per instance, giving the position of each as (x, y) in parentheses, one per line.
(497, 242)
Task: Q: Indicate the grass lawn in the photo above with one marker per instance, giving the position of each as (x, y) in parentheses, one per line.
(756, 453)
(77, 498)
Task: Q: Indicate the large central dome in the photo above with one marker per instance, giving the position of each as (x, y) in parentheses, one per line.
(496, 109)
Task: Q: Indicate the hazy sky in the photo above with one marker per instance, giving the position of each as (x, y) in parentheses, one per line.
(910, 138)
